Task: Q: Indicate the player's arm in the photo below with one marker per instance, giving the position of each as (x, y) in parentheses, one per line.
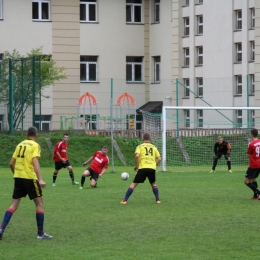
(158, 160)
(228, 148)
(37, 170)
(215, 148)
(86, 162)
(102, 172)
(12, 164)
(137, 156)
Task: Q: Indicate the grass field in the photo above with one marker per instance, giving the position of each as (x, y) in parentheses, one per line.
(202, 216)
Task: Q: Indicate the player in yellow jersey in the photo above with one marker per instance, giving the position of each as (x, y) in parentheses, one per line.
(27, 180)
(147, 157)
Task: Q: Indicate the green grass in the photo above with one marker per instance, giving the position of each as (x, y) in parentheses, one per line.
(202, 216)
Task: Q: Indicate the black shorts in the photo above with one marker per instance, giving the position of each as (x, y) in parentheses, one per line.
(142, 174)
(22, 187)
(93, 175)
(252, 173)
(226, 155)
(59, 165)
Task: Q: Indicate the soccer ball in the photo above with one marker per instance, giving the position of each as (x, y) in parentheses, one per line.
(124, 176)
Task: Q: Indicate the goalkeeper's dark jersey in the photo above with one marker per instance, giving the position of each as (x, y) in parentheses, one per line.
(224, 148)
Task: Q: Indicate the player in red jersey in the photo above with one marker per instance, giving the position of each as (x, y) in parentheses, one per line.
(61, 159)
(253, 152)
(98, 166)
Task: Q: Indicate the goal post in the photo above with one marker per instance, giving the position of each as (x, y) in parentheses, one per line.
(188, 135)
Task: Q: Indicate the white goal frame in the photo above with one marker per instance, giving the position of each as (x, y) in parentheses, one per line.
(164, 110)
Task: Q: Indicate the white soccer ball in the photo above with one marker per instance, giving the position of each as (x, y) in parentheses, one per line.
(124, 176)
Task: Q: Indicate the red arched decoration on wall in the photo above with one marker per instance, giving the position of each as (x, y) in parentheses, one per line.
(90, 97)
(128, 97)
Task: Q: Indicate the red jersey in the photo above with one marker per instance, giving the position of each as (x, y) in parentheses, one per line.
(254, 152)
(60, 147)
(99, 162)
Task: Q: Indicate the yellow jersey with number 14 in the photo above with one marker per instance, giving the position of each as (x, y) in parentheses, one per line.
(23, 154)
(147, 155)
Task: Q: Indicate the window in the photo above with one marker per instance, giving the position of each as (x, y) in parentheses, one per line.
(1, 56)
(186, 26)
(238, 90)
(186, 88)
(41, 10)
(156, 11)
(200, 118)
(239, 118)
(133, 11)
(238, 19)
(252, 118)
(88, 68)
(186, 57)
(200, 87)
(252, 10)
(43, 122)
(88, 11)
(90, 122)
(200, 24)
(1, 8)
(200, 55)
(252, 50)
(187, 118)
(157, 65)
(200, 1)
(252, 84)
(187, 2)
(238, 52)
(134, 67)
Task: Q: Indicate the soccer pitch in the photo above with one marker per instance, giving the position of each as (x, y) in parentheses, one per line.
(202, 216)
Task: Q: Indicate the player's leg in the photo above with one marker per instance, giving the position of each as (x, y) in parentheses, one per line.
(215, 161)
(85, 174)
(249, 177)
(93, 179)
(152, 179)
(70, 169)
(227, 157)
(58, 166)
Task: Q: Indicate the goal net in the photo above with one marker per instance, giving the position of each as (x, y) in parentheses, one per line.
(185, 136)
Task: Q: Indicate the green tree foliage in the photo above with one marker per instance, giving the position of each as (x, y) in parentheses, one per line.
(31, 73)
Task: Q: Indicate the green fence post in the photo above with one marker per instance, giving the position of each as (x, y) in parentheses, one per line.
(11, 99)
(247, 104)
(111, 122)
(33, 92)
(177, 104)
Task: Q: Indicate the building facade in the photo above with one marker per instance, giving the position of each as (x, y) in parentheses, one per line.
(139, 47)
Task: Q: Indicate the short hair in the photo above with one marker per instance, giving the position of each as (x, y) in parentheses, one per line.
(254, 132)
(105, 147)
(32, 131)
(147, 136)
(220, 137)
(65, 134)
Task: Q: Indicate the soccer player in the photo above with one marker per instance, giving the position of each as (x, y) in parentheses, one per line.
(27, 180)
(98, 166)
(147, 157)
(61, 159)
(253, 152)
(221, 147)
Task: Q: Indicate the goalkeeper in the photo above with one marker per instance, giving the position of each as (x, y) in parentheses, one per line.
(221, 147)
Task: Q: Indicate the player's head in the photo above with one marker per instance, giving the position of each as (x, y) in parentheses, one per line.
(147, 137)
(254, 133)
(65, 138)
(104, 150)
(32, 132)
(220, 139)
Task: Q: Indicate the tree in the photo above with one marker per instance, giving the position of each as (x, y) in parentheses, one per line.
(31, 74)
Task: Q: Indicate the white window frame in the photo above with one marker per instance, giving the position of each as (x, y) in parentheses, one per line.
(238, 20)
(86, 5)
(187, 118)
(200, 24)
(187, 87)
(157, 11)
(252, 11)
(200, 87)
(1, 9)
(252, 46)
(157, 69)
(187, 2)
(239, 85)
(132, 8)
(186, 57)
(40, 2)
(239, 117)
(200, 118)
(199, 55)
(87, 63)
(238, 52)
(252, 84)
(186, 26)
(133, 64)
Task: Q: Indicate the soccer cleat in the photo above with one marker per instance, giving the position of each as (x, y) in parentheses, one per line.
(258, 197)
(75, 183)
(158, 202)
(81, 187)
(53, 184)
(212, 171)
(123, 202)
(229, 170)
(44, 236)
(1, 233)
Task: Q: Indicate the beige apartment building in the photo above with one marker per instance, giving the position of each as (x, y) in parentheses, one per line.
(137, 49)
